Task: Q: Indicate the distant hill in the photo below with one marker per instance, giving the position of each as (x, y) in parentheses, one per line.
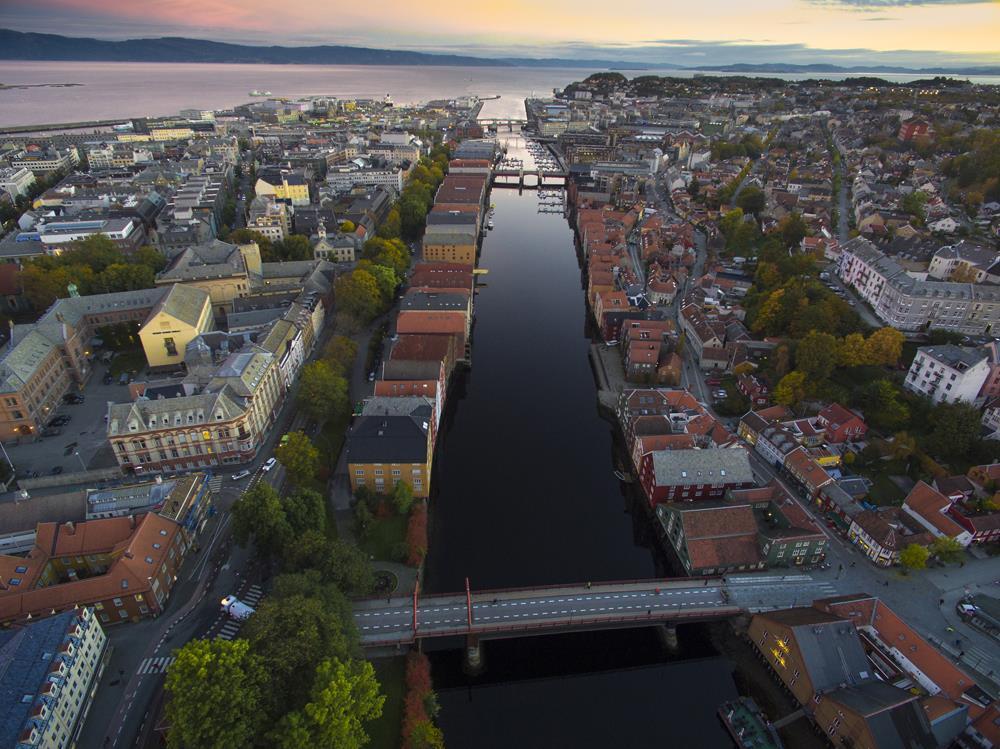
(18, 45)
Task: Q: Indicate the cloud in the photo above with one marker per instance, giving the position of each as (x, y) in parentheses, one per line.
(876, 5)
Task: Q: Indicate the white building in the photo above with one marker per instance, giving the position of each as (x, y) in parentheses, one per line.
(948, 373)
(16, 181)
(51, 670)
(342, 179)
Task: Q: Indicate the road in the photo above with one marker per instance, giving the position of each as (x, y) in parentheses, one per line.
(382, 622)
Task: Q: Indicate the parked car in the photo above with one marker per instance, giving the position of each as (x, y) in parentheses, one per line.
(241, 475)
(236, 609)
(268, 464)
(108, 378)
(124, 378)
(56, 471)
(73, 398)
(60, 420)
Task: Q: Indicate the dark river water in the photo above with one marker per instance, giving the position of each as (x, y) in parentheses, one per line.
(524, 494)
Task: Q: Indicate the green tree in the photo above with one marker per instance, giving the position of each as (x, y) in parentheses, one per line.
(150, 256)
(322, 392)
(426, 735)
(305, 509)
(402, 498)
(793, 229)
(392, 227)
(340, 353)
(955, 428)
(347, 566)
(299, 457)
(914, 557)
(791, 389)
(259, 514)
(948, 550)
(882, 406)
(289, 635)
(752, 200)
(413, 214)
(693, 188)
(344, 697)
(914, 203)
(215, 689)
(293, 247)
(348, 227)
(384, 276)
(816, 355)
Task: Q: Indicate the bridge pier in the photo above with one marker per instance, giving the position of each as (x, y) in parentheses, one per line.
(669, 634)
(473, 662)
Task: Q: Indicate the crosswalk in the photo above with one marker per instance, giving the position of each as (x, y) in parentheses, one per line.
(155, 665)
(214, 483)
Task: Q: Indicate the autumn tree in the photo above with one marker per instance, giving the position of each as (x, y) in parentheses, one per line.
(851, 351)
(357, 293)
(340, 353)
(884, 347)
(752, 200)
(816, 355)
(791, 389)
(948, 550)
(792, 229)
(299, 457)
(215, 689)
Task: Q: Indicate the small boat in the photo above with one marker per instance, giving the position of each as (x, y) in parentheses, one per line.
(622, 476)
(489, 224)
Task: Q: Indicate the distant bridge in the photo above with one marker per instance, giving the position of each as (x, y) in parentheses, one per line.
(507, 177)
(493, 614)
(500, 122)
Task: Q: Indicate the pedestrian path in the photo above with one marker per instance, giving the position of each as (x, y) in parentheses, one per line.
(155, 665)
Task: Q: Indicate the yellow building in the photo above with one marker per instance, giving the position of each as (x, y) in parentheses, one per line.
(224, 270)
(293, 189)
(391, 446)
(451, 250)
(182, 315)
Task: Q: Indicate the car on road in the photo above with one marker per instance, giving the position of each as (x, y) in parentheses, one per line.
(371, 377)
(236, 609)
(56, 471)
(60, 420)
(268, 464)
(241, 474)
(73, 398)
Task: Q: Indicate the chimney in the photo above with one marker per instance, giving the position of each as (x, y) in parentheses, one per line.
(131, 521)
(70, 528)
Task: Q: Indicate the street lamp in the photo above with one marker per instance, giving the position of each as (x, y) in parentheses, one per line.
(77, 454)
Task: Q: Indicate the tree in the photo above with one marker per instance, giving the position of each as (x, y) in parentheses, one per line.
(793, 229)
(344, 697)
(347, 566)
(851, 351)
(914, 557)
(362, 518)
(305, 509)
(293, 247)
(816, 355)
(259, 514)
(694, 186)
(791, 389)
(384, 276)
(348, 227)
(882, 406)
(948, 550)
(289, 635)
(903, 447)
(340, 354)
(884, 347)
(150, 256)
(247, 236)
(402, 498)
(392, 227)
(426, 735)
(752, 200)
(914, 203)
(955, 427)
(322, 392)
(299, 457)
(358, 294)
(215, 689)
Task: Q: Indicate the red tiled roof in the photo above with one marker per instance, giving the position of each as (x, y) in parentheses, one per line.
(431, 322)
(931, 505)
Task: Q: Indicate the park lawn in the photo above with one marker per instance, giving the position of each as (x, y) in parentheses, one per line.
(383, 534)
(385, 732)
(133, 360)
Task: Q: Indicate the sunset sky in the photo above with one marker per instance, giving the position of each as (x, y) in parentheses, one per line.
(910, 32)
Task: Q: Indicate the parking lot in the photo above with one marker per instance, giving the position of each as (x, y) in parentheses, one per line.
(81, 442)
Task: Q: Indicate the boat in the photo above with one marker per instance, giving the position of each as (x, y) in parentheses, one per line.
(747, 724)
(255, 92)
(623, 476)
(489, 224)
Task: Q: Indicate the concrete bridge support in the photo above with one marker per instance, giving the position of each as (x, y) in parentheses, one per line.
(668, 632)
(473, 661)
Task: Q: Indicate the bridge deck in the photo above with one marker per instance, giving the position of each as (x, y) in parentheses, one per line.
(606, 605)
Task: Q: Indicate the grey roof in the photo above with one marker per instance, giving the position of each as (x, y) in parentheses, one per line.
(26, 656)
(895, 718)
(257, 318)
(956, 357)
(451, 218)
(216, 259)
(694, 467)
(389, 439)
(185, 303)
(381, 405)
(411, 369)
(432, 300)
(17, 515)
(830, 647)
(129, 498)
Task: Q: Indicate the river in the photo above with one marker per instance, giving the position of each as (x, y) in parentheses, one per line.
(524, 494)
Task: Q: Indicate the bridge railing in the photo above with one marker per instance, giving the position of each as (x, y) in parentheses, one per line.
(693, 582)
(570, 621)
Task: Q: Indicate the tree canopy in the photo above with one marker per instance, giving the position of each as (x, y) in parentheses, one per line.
(322, 392)
(299, 457)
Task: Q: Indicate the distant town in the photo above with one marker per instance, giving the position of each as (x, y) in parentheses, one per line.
(235, 341)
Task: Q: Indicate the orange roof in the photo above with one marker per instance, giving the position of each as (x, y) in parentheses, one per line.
(930, 504)
(431, 322)
(895, 633)
(653, 442)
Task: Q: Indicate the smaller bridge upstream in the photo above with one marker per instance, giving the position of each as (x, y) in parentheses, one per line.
(493, 614)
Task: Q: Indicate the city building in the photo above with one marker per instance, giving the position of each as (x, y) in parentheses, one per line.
(948, 373)
(127, 234)
(124, 567)
(688, 475)
(711, 538)
(16, 181)
(786, 534)
(284, 186)
(383, 449)
(226, 271)
(184, 313)
(930, 508)
(841, 425)
(51, 670)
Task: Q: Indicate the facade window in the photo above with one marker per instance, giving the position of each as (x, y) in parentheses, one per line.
(171, 347)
